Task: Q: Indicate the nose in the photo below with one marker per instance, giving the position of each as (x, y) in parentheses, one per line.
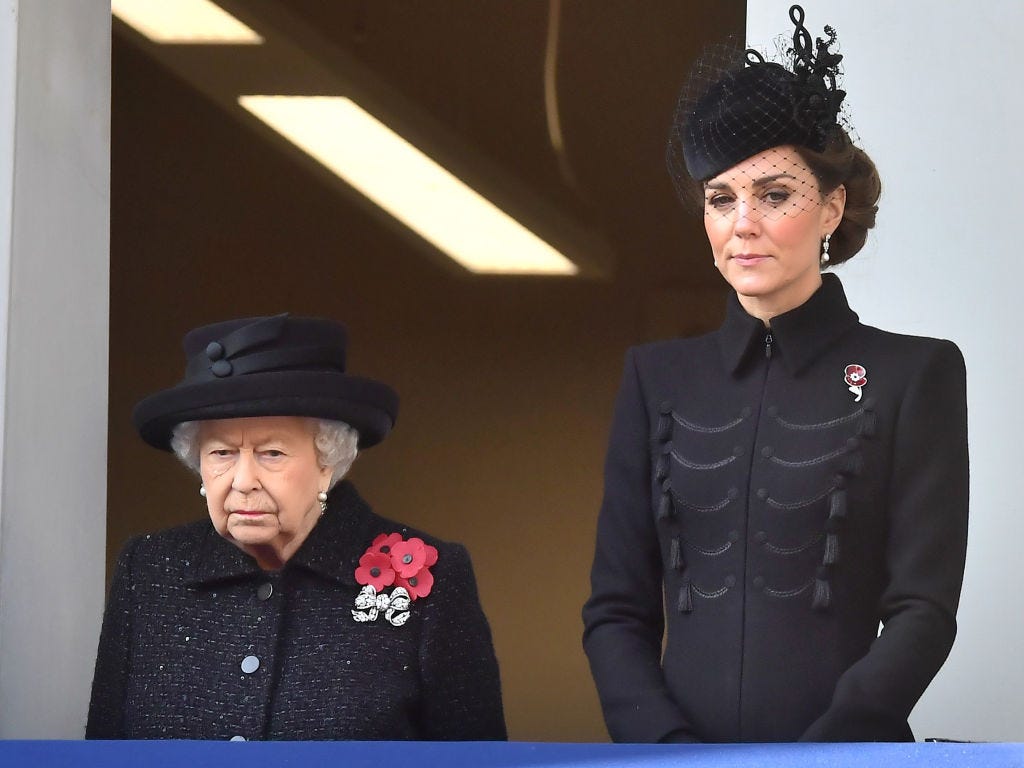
(246, 477)
(747, 218)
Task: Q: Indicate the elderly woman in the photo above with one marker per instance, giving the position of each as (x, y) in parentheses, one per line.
(294, 612)
(777, 489)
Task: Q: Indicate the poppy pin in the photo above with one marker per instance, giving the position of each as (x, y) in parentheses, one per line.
(856, 376)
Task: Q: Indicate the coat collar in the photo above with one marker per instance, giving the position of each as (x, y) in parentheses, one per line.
(798, 336)
(332, 549)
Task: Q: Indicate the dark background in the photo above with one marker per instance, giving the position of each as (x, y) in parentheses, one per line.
(506, 383)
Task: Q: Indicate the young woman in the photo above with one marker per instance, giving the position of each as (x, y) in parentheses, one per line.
(778, 489)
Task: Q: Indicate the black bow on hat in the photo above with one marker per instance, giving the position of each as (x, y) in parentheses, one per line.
(268, 366)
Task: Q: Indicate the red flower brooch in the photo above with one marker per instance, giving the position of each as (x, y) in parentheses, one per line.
(856, 377)
(392, 560)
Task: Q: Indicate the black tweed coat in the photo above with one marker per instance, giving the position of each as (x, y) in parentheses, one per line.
(770, 516)
(187, 607)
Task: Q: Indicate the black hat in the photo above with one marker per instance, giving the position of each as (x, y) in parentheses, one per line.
(736, 104)
(268, 366)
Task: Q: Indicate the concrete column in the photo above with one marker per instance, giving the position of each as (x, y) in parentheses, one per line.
(54, 278)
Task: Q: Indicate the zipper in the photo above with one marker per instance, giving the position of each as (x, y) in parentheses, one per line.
(768, 341)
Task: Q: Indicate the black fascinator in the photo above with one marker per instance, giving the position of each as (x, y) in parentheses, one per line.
(736, 104)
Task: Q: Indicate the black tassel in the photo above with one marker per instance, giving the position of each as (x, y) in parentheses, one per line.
(661, 472)
(664, 429)
(665, 506)
(831, 549)
(868, 423)
(837, 504)
(686, 597)
(675, 555)
(854, 462)
(822, 595)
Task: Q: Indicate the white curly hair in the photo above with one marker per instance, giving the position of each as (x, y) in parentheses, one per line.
(335, 441)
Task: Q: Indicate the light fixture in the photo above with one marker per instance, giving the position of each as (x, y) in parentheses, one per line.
(184, 21)
(407, 184)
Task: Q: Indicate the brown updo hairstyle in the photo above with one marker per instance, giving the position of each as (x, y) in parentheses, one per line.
(841, 162)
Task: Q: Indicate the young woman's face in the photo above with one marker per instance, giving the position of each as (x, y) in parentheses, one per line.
(262, 477)
(765, 219)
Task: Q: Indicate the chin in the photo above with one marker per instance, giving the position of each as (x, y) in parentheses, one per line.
(751, 285)
(251, 534)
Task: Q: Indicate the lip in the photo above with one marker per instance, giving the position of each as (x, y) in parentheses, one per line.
(248, 512)
(749, 259)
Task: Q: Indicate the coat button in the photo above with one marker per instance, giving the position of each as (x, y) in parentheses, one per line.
(250, 664)
(766, 451)
(759, 582)
(264, 591)
(773, 411)
(760, 537)
(237, 738)
(221, 368)
(730, 581)
(737, 450)
(762, 493)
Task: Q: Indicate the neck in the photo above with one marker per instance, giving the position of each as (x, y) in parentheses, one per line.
(267, 557)
(764, 308)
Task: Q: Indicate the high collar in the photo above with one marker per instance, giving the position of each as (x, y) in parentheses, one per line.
(332, 549)
(798, 336)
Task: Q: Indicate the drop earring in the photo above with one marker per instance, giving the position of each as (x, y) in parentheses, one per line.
(322, 498)
(202, 491)
(824, 249)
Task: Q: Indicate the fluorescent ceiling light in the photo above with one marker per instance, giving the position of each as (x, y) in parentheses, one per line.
(409, 185)
(183, 21)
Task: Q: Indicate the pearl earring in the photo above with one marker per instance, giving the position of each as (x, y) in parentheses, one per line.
(202, 491)
(322, 498)
(824, 249)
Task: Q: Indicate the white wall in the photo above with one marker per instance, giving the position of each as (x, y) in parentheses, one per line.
(54, 278)
(934, 93)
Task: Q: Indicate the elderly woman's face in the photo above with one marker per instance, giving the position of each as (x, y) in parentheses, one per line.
(765, 218)
(262, 478)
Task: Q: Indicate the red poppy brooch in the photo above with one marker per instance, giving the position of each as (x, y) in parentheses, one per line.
(856, 377)
(393, 561)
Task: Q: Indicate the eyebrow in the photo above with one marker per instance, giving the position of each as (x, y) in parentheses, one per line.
(269, 437)
(757, 182)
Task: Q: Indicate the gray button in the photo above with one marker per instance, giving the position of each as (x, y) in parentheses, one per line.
(250, 664)
(237, 738)
(758, 582)
(264, 591)
(730, 581)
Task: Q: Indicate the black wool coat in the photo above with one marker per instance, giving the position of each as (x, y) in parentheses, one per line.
(770, 517)
(189, 613)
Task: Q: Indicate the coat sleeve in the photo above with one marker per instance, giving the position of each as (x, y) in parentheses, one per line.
(926, 548)
(624, 618)
(106, 707)
(461, 686)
